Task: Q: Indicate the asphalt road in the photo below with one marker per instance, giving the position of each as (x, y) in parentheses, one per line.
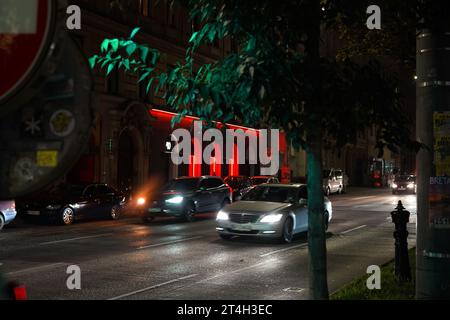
(168, 259)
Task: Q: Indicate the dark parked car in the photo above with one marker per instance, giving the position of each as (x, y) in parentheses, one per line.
(404, 183)
(239, 184)
(256, 180)
(186, 196)
(74, 202)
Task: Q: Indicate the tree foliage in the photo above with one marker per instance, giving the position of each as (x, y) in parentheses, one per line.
(268, 82)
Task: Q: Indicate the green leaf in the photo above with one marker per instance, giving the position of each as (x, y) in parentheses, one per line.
(193, 37)
(105, 45)
(92, 61)
(126, 63)
(114, 45)
(149, 84)
(144, 75)
(131, 48)
(144, 53)
(110, 68)
(105, 62)
(155, 57)
(133, 33)
(251, 44)
(212, 34)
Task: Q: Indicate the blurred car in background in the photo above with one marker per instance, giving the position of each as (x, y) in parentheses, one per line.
(74, 202)
(333, 181)
(7, 212)
(257, 180)
(404, 183)
(239, 184)
(269, 210)
(184, 197)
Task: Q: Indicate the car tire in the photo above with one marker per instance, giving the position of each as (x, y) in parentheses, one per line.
(2, 221)
(288, 231)
(225, 236)
(189, 211)
(67, 216)
(326, 220)
(115, 212)
(328, 191)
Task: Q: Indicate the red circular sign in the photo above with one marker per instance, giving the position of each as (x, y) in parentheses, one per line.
(24, 32)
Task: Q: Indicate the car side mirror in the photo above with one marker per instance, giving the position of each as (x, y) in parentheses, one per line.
(303, 202)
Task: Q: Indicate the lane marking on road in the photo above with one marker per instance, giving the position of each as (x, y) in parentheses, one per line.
(75, 239)
(168, 242)
(283, 250)
(361, 198)
(234, 271)
(153, 287)
(353, 229)
(38, 268)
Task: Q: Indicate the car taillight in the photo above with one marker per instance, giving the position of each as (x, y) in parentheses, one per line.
(17, 291)
(20, 293)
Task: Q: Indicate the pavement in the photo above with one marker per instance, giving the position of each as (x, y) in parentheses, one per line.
(169, 259)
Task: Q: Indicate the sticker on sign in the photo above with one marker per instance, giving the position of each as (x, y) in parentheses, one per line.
(18, 17)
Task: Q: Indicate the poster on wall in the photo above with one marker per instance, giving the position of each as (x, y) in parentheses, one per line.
(439, 191)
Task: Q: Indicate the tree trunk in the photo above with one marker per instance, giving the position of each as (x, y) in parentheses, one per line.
(316, 224)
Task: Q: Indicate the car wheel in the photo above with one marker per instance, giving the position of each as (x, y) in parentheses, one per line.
(115, 212)
(67, 216)
(189, 211)
(2, 221)
(225, 236)
(327, 218)
(328, 191)
(288, 231)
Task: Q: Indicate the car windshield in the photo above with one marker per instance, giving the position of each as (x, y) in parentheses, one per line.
(256, 181)
(235, 182)
(76, 190)
(405, 179)
(182, 184)
(272, 194)
(326, 173)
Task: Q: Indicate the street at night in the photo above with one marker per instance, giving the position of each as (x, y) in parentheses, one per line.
(169, 259)
(224, 158)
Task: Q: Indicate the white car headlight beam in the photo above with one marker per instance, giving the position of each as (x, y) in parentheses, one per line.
(272, 218)
(223, 216)
(175, 200)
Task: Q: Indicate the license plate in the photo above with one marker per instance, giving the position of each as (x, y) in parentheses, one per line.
(242, 227)
(401, 188)
(34, 213)
(155, 210)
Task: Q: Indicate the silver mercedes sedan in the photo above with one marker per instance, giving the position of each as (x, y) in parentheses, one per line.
(269, 210)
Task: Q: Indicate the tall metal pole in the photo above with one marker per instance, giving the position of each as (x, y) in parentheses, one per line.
(433, 163)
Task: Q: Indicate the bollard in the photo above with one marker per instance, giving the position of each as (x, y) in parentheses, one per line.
(400, 218)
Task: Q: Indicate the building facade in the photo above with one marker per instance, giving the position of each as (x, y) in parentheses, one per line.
(127, 145)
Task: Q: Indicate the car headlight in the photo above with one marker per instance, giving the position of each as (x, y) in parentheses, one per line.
(272, 218)
(175, 200)
(410, 185)
(53, 207)
(394, 185)
(140, 201)
(222, 216)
